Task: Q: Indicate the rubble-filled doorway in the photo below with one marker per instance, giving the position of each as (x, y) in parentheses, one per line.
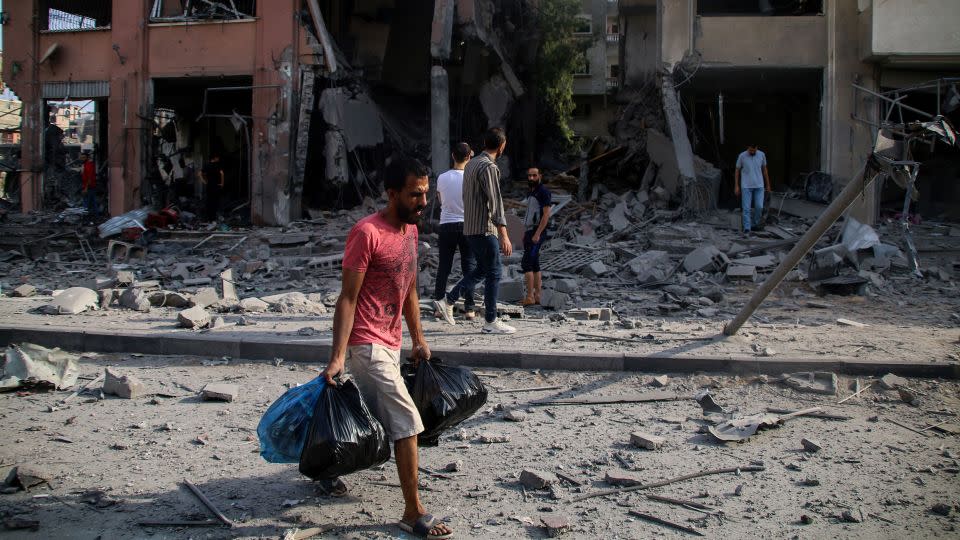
(73, 128)
(777, 109)
(194, 121)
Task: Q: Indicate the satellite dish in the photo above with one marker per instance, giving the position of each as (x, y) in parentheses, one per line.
(50, 52)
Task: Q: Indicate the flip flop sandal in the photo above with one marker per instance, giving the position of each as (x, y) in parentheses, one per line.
(422, 527)
(333, 488)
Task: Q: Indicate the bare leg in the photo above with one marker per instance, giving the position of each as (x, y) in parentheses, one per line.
(537, 286)
(406, 452)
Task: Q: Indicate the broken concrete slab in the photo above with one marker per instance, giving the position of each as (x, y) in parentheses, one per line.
(294, 302)
(553, 299)
(618, 217)
(622, 478)
(534, 479)
(647, 441)
(124, 278)
(204, 297)
(134, 299)
(124, 386)
(556, 525)
(220, 392)
(168, 299)
(563, 285)
(511, 290)
(744, 273)
(817, 382)
(760, 261)
(227, 285)
(652, 266)
(27, 475)
(29, 365)
(811, 445)
(705, 259)
(254, 305)
(195, 317)
(72, 301)
(660, 381)
(892, 382)
(595, 269)
(23, 291)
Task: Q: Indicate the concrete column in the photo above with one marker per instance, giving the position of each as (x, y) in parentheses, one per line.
(439, 120)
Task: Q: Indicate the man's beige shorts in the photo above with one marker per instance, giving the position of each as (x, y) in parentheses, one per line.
(376, 370)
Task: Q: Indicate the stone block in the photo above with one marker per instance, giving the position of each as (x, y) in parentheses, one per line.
(553, 299)
(254, 305)
(228, 287)
(124, 278)
(892, 382)
(651, 266)
(556, 525)
(660, 381)
(125, 386)
(168, 299)
(134, 299)
(645, 440)
(567, 286)
(24, 291)
(195, 317)
(511, 290)
(220, 392)
(705, 259)
(743, 273)
(606, 314)
(595, 269)
(204, 297)
(534, 479)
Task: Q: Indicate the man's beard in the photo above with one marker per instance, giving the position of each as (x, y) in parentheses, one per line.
(533, 185)
(409, 215)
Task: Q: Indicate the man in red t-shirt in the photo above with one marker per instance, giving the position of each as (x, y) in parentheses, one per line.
(88, 183)
(380, 285)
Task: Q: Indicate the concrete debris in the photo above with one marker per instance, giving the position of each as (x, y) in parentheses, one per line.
(892, 382)
(32, 366)
(848, 322)
(168, 299)
(204, 297)
(227, 286)
(491, 438)
(195, 318)
(515, 415)
(622, 478)
(220, 392)
(72, 301)
(810, 445)
(24, 291)
(124, 278)
(817, 382)
(660, 381)
(134, 299)
(652, 266)
(705, 258)
(739, 272)
(534, 479)
(647, 441)
(254, 305)
(294, 303)
(556, 525)
(124, 386)
(26, 476)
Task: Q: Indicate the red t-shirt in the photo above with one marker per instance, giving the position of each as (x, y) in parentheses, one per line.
(388, 257)
(88, 177)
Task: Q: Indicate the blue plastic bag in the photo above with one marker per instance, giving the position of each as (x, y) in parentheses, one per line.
(284, 427)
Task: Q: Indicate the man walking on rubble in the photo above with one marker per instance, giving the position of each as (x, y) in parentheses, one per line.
(749, 182)
(88, 183)
(539, 204)
(450, 193)
(379, 285)
(485, 228)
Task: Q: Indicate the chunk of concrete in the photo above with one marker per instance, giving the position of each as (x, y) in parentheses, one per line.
(124, 278)
(134, 299)
(204, 297)
(168, 299)
(618, 217)
(73, 301)
(220, 392)
(660, 381)
(511, 290)
(595, 269)
(515, 415)
(534, 479)
(563, 285)
(816, 382)
(705, 259)
(107, 297)
(811, 445)
(24, 291)
(124, 386)
(741, 273)
(651, 266)
(227, 284)
(196, 282)
(606, 314)
(295, 303)
(556, 525)
(553, 299)
(622, 478)
(195, 317)
(892, 382)
(254, 305)
(645, 440)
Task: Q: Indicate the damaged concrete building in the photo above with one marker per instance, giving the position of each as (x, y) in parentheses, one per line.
(297, 96)
(788, 75)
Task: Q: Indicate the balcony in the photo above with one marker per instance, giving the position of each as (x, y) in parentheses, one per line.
(613, 38)
(917, 34)
(613, 83)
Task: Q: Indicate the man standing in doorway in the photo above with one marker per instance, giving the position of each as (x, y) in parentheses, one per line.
(450, 194)
(380, 285)
(539, 204)
(212, 176)
(88, 184)
(750, 180)
(485, 227)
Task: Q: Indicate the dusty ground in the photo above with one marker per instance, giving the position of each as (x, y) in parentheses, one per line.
(880, 472)
(902, 328)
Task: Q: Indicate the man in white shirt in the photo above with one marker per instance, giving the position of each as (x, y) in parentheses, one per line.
(749, 182)
(450, 193)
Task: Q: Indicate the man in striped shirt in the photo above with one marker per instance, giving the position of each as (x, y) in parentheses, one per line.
(485, 229)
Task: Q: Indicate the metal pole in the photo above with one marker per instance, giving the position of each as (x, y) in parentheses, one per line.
(806, 242)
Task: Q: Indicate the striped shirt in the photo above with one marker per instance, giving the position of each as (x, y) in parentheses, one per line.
(482, 204)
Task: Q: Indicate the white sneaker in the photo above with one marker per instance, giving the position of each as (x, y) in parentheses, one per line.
(444, 310)
(498, 327)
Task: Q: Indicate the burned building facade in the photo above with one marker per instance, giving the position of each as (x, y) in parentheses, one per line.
(297, 97)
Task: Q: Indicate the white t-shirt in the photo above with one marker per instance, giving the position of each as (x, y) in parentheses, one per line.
(450, 188)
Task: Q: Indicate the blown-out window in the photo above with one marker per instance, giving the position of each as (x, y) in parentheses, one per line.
(72, 15)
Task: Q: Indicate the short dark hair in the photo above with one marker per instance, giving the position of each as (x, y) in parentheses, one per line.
(493, 138)
(751, 146)
(461, 151)
(395, 177)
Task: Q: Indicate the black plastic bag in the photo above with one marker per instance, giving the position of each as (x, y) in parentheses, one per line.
(343, 437)
(444, 395)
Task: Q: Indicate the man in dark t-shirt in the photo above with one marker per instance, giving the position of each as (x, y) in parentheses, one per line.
(212, 177)
(539, 205)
